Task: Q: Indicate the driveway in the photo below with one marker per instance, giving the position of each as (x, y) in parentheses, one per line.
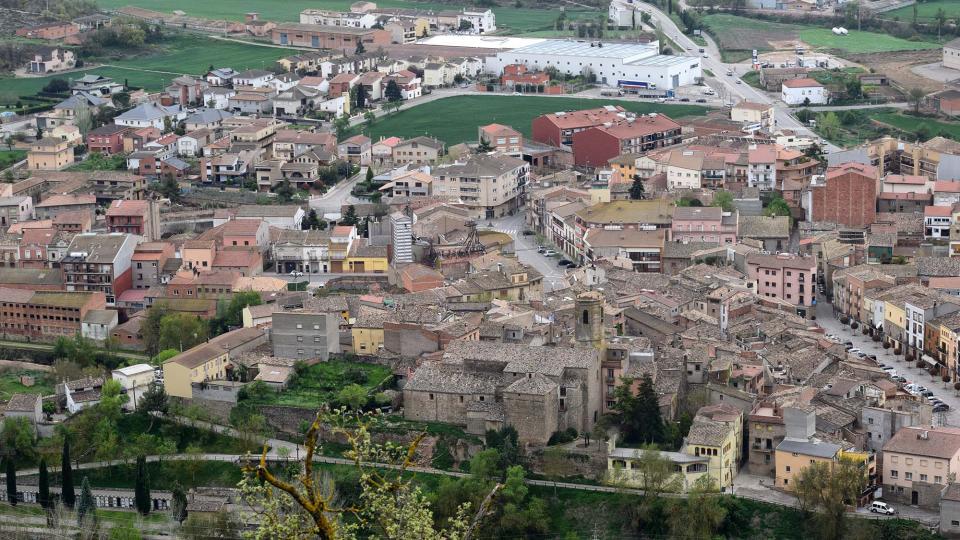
(831, 324)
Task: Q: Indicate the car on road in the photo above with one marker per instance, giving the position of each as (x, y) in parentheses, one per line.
(729, 73)
(549, 253)
(541, 249)
(528, 232)
(739, 81)
(942, 407)
(701, 100)
(685, 99)
(296, 274)
(880, 507)
(564, 262)
(899, 378)
(517, 94)
(926, 393)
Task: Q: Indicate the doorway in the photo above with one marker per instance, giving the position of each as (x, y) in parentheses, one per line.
(914, 498)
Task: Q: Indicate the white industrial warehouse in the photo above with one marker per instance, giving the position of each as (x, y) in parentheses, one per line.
(627, 65)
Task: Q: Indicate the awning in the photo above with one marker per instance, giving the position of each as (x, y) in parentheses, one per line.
(928, 360)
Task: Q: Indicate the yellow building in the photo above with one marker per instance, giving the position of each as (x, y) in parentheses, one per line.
(367, 330)
(894, 315)
(793, 455)
(717, 433)
(202, 363)
(49, 154)
(367, 264)
(625, 164)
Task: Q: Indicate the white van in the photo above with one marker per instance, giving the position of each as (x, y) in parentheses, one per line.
(880, 507)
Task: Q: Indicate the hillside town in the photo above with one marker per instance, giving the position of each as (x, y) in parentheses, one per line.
(419, 275)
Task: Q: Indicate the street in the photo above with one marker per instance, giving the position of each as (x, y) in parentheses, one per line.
(944, 391)
(554, 277)
(333, 200)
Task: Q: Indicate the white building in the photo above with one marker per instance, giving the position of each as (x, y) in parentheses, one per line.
(402, 238)
(936, 222)
(257, 78)
(98, 323)
(632, 66)
(135, 381)
(151, 115)
(218, 97)
(482, 22)
(951, 54)
(624, 13)
(798, 91)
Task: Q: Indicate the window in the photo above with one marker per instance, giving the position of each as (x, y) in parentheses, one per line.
(908, 476)
(923, 478)
(937, 479)
(894, 474)
(431, 397)
(788, 468)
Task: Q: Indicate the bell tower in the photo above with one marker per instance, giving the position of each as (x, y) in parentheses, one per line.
(589, 313)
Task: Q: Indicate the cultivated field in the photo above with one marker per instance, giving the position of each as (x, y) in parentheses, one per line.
(185, 54)
(860, 42)
(510, 19)
(926, 11)
(744, 34)
(517, 111)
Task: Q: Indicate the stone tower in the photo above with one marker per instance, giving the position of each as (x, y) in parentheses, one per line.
(589, 313)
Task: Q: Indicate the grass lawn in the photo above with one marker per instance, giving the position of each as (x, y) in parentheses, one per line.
(926, 11)
(97, 162)
(321, 382)
(9, 157)
(190, 473)
(860, 42)
(911, 124)
(10, 383)
(509, 19)
(516, 111)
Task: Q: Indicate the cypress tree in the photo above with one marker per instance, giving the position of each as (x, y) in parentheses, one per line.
(67, 494)
(86, 508)
(141, 489)
(178, 503)
(648, 412)
(43, 497)
(11, 482)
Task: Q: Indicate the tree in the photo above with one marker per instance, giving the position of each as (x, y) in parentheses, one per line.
(350, 216)
(57, 86)
(854, 87)
(83, 119)
(360, 48)
(389, 506)
(11, 481)
(360, 101)
(141, 488)
(723, 199)
(777, 207)
(827, 488)
(916, 96)
(86, 506)
(556, 465)
(341, 125)
(655, 472)
(178, 503)
(465, 25)
(169, 188)
(521, 516)
(153, 402)
(18, 438)
(353, 396)
(43, 486)
(392, 92)
(150, 328)
(182, 331)
(284, 191)
(941, 18)
(483, 146)
(640, 412)
(829, 124)
(701, 514)
(636, 190)
(67, 495)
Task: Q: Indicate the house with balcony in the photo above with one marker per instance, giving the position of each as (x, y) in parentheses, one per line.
(100, 263)
(356, 150)
(703, 224)
(936, 222)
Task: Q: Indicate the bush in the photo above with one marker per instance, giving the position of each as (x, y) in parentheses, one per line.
(356, 375)
(886, 345)
(562, 437)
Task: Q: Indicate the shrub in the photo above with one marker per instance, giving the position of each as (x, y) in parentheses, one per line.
(562, 437)
(356, 375)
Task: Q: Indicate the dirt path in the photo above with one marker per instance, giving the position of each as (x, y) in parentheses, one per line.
(896, 66)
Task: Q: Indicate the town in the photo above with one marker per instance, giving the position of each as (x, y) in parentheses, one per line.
(423, 270)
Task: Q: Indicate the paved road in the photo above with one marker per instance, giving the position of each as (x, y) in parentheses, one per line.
(334, 199)
(913, 374)
(728, 85)
(554, 277)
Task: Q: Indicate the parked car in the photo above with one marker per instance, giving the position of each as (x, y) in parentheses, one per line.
(880, 507)
(296, 274)
(685, 99)
(701, 100)
(942, 407)
(899, 378)
(528, 232)
(541, 249)
(549, 253)
(926, 393)
(564, 262)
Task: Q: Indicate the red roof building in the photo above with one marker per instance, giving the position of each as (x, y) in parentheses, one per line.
(557, 129)
(595, 146)
(847, 196)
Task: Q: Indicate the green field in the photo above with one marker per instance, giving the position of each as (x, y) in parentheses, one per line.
(181, 54)
(10, 382)
(517, 111)
(911, 124)
(926, 11)
(9, 157)
(320, 383)
(512, 20)
(860, 42)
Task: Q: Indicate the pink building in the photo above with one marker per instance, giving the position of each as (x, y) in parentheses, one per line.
(786, 278)
(703, 224)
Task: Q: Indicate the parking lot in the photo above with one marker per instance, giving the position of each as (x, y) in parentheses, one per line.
(911, 374)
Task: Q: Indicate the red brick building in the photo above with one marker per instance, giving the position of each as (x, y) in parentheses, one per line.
(557, 129)
(45, 314)
(57, 30)
(328, 37)
(107, 139)
(131, 217)
(596, 146)
(847, 196)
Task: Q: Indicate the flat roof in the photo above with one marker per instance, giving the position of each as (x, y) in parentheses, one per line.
(562, 47)
(479, 41)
